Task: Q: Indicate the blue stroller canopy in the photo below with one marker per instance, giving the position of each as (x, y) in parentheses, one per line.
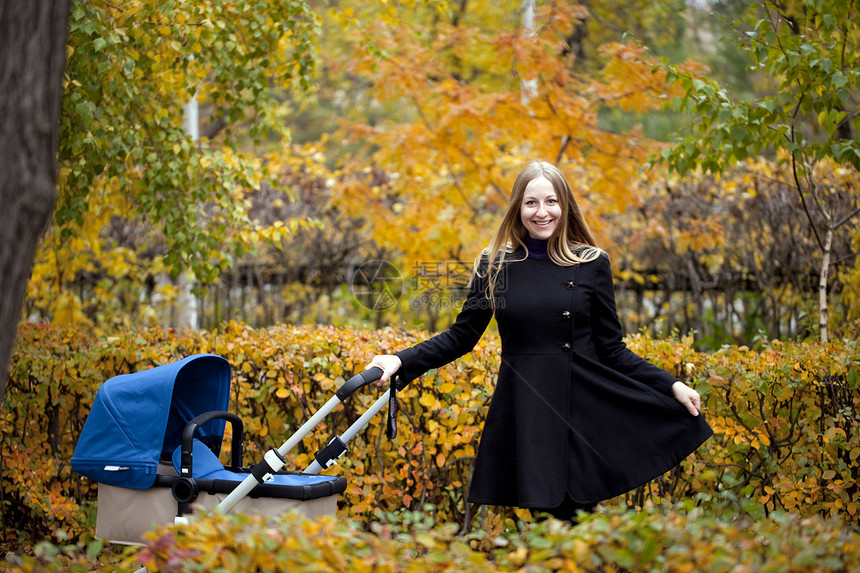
(137, 419)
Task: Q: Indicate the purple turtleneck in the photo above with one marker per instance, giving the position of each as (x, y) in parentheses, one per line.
(537, 248)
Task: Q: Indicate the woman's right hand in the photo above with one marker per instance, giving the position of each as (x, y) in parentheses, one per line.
(388, 363)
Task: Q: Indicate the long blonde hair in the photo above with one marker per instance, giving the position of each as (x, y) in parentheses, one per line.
(571, 243)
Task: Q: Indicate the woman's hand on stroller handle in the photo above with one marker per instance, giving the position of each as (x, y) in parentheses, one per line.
(388, 363)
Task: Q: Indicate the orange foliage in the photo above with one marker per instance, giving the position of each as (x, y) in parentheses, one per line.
(434, 178)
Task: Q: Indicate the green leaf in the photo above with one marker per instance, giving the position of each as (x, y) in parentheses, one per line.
(739, 133)
(838, 80)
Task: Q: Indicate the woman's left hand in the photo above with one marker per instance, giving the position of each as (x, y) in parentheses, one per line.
(688, 397)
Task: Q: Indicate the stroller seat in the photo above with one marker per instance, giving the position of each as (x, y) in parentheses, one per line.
(213, 477)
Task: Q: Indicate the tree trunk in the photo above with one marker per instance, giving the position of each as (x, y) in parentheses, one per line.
(186, 315)
(822, 284)
(528, 86)
(32, 59)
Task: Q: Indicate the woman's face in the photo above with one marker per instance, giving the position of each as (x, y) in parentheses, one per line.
(540, 210)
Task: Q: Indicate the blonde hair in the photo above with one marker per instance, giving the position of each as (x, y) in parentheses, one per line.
(570, 244)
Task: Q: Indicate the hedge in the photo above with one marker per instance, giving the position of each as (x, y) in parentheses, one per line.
(677, 540)
(785, 417)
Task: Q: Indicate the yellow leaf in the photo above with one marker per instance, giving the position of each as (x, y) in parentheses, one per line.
(427, 400)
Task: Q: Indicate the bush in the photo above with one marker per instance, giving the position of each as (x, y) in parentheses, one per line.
(786, 423)
(672, 540)
(785, 417)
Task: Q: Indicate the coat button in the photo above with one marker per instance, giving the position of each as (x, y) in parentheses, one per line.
(569, 285)
(565, 346)
(565, 314)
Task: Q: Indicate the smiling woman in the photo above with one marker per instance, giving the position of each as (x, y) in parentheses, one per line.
(576, 417)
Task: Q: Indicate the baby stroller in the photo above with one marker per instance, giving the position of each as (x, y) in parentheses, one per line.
(152, 439)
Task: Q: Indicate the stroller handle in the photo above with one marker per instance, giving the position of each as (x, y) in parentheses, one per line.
(357, 381)
(362, 379)
(274, 460)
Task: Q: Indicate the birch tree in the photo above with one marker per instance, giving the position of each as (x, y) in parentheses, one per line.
(808, 51)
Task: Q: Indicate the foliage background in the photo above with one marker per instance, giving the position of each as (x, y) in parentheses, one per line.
(390, 131)
(356, 132)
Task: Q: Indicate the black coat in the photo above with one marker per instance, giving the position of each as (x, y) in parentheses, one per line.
(574, 410)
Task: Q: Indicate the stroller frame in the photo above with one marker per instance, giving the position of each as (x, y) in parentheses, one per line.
(130, 476)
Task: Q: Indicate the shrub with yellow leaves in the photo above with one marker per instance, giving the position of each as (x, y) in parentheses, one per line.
(785, 418)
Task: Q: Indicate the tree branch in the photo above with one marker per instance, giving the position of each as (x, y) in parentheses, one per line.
(565, 141)
(799, 188)
(846, 218)
(214, 128)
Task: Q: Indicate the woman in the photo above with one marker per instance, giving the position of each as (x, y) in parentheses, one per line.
(576, 417)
